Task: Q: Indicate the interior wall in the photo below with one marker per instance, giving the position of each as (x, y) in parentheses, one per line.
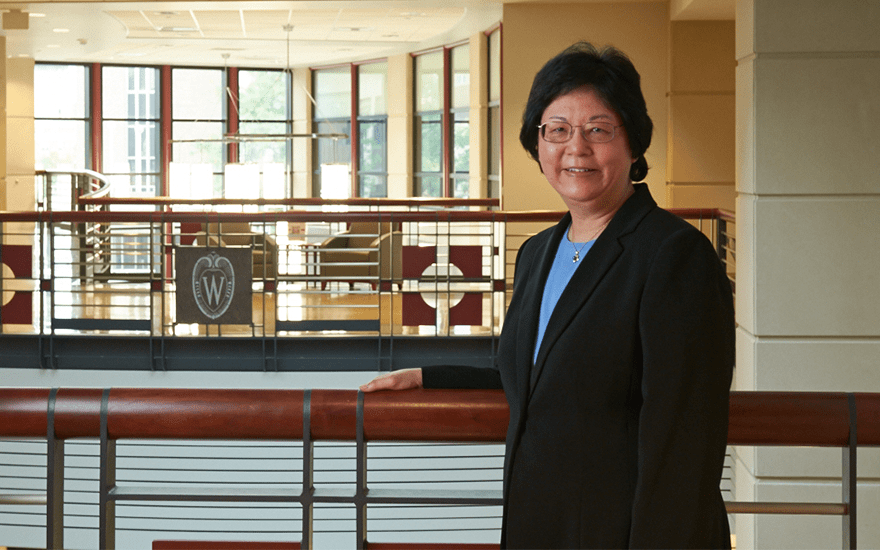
(533, 33)
(702, 115)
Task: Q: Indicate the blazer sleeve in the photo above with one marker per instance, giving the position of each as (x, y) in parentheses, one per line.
(686, 325)
(467, 377)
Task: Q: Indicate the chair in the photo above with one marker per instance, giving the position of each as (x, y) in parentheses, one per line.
(366, 252)
(239, 234)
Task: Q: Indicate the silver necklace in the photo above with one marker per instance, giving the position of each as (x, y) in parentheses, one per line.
(577, 251)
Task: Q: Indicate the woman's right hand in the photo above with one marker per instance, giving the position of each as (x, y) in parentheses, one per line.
(405, 379)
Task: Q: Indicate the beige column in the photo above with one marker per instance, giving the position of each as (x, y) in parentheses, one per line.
(400, 126)
(700, 161)
(479, 117)
(808, 264)
(19, 138)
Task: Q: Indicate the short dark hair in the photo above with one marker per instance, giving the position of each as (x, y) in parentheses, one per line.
(611, 74)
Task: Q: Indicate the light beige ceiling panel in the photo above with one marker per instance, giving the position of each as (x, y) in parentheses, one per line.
(220, 23)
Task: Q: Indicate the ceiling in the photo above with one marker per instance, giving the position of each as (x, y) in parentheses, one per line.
(264, 34)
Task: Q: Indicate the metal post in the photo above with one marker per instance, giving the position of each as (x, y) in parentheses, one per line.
(308, 487)
(850, 479)
(360, 498)
(54, 479)
(107, 482)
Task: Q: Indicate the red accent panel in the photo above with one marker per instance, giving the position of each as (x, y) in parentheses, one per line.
(46, 285)
(469, 311)
(156, 286)
(188, 232)
(416, 312)
(96, 93)
(222, 545)
(19, 310)
(415, 259)
(469, 259)
(499, 285)
(19, 258)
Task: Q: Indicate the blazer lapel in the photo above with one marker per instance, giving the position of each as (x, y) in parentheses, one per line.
(533, 291)
(594, 266)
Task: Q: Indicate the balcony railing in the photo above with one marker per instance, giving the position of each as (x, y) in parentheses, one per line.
(383, 278)
(342, 470)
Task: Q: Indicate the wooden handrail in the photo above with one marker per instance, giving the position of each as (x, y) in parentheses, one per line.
(314, 216)
(756, 418)
(306, 201)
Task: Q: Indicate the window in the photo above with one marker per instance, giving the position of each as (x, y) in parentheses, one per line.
(442, 120)
(494, 147)
(130, 122)
(264, 109)
(429, 125)
(332, 115)
(61, 121)
(198, 112)
(460, 78)
(372, 123)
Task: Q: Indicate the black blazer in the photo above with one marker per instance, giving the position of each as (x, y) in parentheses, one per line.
(617, 434)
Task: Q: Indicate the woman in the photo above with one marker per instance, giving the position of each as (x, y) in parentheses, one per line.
(616, 354)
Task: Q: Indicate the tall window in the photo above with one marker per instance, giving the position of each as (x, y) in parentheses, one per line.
(429, 125)
(198, 112)
(264, 109)
(372, 123)
(459, 114)
(332, 115)
(494, 190)
(61, 120)
(131, 148)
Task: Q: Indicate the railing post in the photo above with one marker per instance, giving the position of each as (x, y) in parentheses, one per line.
(850, 477)
(107, 482)
(360, 498)
(307, 472)
(54, 479)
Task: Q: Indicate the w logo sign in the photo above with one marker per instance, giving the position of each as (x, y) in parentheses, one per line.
(213, 282)
(213, 285)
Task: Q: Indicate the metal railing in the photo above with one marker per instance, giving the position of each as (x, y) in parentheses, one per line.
(145, 419)
(106, 274)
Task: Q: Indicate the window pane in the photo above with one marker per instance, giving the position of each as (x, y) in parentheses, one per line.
(198, 153)
(263, 95)
(461, 188)
(373, 145)
(429, 186)
(429, 147)
(134, 185)
(197, 94)
(372, 89)
(461, 76)
(429, 82)
(263, 151)
(60, 144)
(60, 91)
(131, 147)
(461, 134)
(332, 151)
(130, 93)
(373, 186)
(332, 89)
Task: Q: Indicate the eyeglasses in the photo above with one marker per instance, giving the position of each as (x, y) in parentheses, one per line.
(557, 131)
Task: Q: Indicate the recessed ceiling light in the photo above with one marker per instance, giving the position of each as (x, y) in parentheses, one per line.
(53, 45)
(177, 29)
(60, 30)
(32, 14)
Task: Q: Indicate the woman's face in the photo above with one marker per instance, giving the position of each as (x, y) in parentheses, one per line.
(585, 174)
